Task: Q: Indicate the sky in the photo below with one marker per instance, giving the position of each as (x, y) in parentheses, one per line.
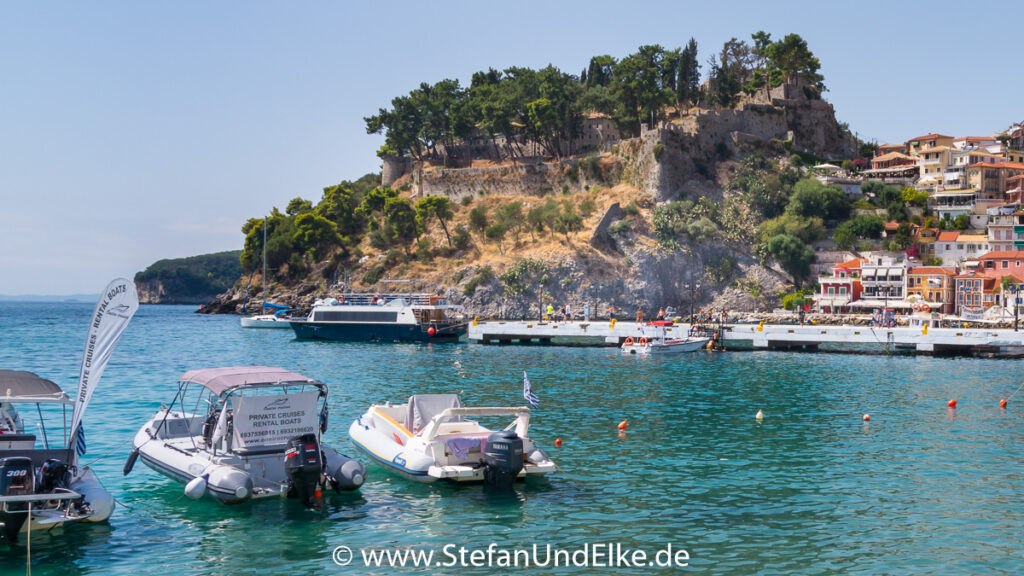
(136, 131)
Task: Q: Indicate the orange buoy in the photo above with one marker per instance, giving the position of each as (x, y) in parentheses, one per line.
(1002, 403)
(623, 424)
(318, 494)
(431, 331)
(629, 341)
(558, 442)
(643, 341)
(951, 404)
(867, 417)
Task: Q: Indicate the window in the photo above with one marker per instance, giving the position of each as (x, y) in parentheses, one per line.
(1006, 264)
(831, 290)
(842, 289)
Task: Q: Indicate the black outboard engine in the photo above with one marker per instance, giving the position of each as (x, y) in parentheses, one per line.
(17, 478)
(503, 459)
(52, 475)
(304, 465)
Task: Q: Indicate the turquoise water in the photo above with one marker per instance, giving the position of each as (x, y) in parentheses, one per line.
(811, 490)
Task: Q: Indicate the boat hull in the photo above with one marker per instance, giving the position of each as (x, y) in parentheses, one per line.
(265, 322)
(346, 331)
(670, 347)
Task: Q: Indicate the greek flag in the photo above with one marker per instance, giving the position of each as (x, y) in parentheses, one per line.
(528, 393)
(80, 440)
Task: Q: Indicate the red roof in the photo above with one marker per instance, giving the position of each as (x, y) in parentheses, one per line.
(855, 263)
(929, 137)
(1000, 165)
(973, 138)
(948, 236)
(933, 270)
(1008, 254)
(892, 225)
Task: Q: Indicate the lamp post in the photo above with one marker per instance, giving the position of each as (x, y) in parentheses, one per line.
(1016, 302)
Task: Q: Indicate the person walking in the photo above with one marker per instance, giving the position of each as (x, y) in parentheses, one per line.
(586, 312)
(639, 315)
(568, 313)
(611, 311)
(551, 312)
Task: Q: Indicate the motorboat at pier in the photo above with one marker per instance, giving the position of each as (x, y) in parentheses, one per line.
(387, 318)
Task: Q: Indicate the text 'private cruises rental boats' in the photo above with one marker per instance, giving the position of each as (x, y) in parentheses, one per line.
(43, 485)
(258, 436)
(387, 318)
(430, 438)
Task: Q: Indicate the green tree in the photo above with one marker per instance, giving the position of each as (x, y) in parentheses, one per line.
(688, 80)
(315, 234)
(904, 236)
(844, 237)
(478, 219)
(791, 61)
(805, 229)
(437, 207)
(637, 86)
(794, 256)
(496, 233)
(568, 222)
(298, 206)
(812, 198)
(961, 222)
(401, 219)
(511, 216)
(372, 205)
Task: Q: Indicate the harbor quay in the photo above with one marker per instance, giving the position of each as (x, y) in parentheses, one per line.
(918, 339)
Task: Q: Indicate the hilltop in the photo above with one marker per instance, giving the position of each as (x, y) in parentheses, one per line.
(615, 210)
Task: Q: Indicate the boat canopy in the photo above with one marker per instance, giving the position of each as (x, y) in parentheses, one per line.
(26, 385)
(423, 407)
(276, 306)
(217, 380)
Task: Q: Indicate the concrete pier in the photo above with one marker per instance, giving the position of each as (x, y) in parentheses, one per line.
(767, 336)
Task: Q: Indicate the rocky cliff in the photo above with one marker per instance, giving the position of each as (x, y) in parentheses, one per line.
(614, 259)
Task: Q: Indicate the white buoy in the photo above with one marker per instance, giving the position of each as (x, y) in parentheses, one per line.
(196, 488)
(759, 415)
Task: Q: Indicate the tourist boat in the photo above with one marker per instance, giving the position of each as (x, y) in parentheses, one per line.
(259, 437)
(280, 319)
(430, 438)
(387, 317)
(661, 343)
(42, 483)
(41, 470)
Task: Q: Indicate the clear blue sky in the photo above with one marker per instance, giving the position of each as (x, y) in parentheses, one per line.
(134, 131)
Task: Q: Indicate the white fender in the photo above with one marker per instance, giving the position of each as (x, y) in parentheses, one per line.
(196, 487)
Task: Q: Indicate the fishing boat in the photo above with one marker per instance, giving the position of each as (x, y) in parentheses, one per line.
(280, 317)
(431, 438)
(43, 484)
(259, 437)
(382, 317)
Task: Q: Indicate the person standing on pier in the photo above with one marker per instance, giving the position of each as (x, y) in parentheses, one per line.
(568, 313)
(551, 312)
(611, 311)
(661, 314)
(639, 315)
(586, 312)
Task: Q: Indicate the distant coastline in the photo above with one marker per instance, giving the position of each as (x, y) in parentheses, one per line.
(71, 298)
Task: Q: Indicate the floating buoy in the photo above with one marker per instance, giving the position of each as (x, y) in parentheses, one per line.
(558, 442)
(867, 417)
(623, 424)
(1002, 403)
(431, 331)
(951, 404)
(318, 494)
(759, 415)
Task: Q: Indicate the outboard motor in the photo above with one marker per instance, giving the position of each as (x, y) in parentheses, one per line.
(17, 478)
(304, 465)
(52, 474)
(503, 459)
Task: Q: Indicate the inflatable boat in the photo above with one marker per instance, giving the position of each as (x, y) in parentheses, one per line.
(259, 438)
(431, 438)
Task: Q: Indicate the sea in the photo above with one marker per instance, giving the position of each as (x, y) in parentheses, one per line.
(695, 482)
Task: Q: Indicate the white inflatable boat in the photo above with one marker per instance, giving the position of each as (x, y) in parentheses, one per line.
(430, 438)
(260, 437)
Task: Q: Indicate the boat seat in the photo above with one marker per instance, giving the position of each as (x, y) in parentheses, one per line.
(259, 451)
(38, 456)
(423, 407)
